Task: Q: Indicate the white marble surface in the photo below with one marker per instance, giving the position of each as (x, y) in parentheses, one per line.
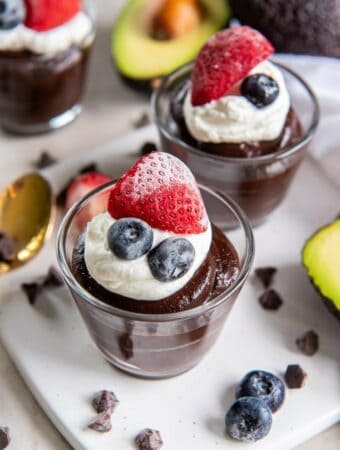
(109, 110)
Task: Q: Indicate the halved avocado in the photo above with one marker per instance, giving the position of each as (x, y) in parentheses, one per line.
(141, 57)
(321, 259)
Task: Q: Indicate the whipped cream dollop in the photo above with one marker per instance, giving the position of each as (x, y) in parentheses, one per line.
(234, 119)
(74, 32)
(134, 279)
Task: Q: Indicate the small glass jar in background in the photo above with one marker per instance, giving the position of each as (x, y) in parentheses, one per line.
(42, 92)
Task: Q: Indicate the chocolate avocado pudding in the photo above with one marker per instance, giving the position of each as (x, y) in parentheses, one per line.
(153, 265)
(232, 116)
(218, 271)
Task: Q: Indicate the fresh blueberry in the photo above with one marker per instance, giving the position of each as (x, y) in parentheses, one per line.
(249, 419)
(260, 89)
(171, 259)
(264, 385)
(12, 13)
(130, 238)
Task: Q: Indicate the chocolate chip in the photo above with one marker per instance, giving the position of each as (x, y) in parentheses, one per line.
(142, 121)
(147, 148)
(92, 167)
(105, 401)
(270, 300)
(7, 248)
(308, 343)
(44, 160)
(266, 275)
(5, 438)
(31, 290)
(102, 423)
(295, 376)
(149, 439)
(53, 278)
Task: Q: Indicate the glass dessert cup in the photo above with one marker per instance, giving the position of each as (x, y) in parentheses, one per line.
(41, 93)
(155, 345)
(258, 184)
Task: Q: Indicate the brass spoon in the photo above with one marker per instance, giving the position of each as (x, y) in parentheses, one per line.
(26, 215)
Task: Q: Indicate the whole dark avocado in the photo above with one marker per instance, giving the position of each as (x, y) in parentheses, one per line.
(321, 259)
(294, 26)
(143, 55)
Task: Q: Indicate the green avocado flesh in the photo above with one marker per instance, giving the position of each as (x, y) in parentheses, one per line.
(321, 258)
(139, 56)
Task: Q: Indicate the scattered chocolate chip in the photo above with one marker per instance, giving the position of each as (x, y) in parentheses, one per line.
(92, 167)
(44, 160)
(266, 275)
(308, 343)
(7, 248)
(102, 423)
(147, 148)
(31, 290)
(149, 439)
(5, 438)
(53, 278)
(142, 121)
(105, 401)
(270, 300)
(295, 376)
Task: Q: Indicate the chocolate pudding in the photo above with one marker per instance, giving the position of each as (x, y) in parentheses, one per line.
(34, 89)
(216, 274)
(164, 347)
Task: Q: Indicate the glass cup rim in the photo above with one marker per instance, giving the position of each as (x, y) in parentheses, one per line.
(201, 309)
(268, 158)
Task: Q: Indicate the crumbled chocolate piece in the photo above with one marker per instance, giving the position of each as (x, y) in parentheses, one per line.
(295, 376)
(31, 290)
(5, 438)
(147, 148)
(270, 300)
(7, 248)
(53, 278)
(266, 275)
(105, 401)
(102, 423)
(92, 167)
(149, 439)
(44, 160)
(142, 121)
(308, 343)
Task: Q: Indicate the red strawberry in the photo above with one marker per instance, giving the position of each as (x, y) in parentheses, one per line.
(161, 190)
(43, 15)
(81, 186)
(226, 59)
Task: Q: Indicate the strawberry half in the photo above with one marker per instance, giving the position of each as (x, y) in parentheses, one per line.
(81, 186)
(226, 59)
(43, 15)
(161, 190)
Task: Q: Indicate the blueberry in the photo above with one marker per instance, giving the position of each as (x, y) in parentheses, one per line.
(249, 419)
(12, 13)
(260, 89)
(264, 385)
(171, 259)
(130, 238)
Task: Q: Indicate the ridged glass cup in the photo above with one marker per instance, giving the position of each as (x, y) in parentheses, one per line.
(258, 184)
(154, 345)
(41, 93)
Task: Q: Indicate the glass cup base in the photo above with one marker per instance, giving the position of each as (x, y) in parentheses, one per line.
(39, 128)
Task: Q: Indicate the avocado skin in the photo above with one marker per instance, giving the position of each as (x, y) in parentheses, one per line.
(326, 301)
(294, 26)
